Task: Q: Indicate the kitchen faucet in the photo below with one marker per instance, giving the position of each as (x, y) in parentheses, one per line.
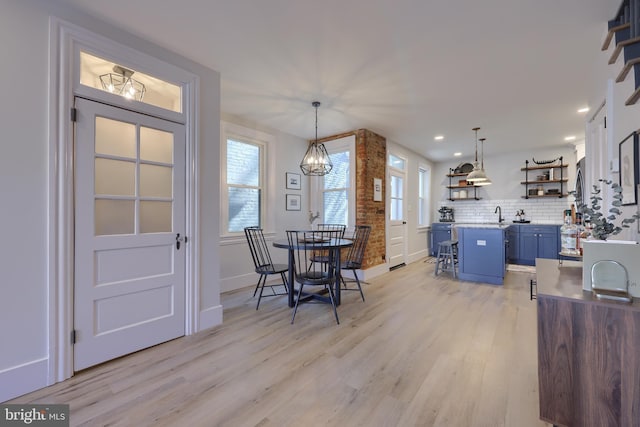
(499, 212)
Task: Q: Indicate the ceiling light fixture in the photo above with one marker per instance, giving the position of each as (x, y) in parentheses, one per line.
(570, 138)
(583, 110)
(478, 174)
(316, 160)
(457, 154)
(121, 83)
(439, 137)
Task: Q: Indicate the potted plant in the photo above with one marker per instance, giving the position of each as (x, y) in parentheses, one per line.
(603, 225)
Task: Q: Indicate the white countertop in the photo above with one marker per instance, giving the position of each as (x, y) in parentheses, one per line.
(482, 225)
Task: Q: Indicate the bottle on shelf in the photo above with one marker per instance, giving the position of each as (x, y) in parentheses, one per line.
(569, 236)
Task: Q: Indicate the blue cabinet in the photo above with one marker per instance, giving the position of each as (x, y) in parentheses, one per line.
(537, 241)
(440, 231)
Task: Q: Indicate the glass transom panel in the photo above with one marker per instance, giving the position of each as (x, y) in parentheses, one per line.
(396, 162)
(108, 76)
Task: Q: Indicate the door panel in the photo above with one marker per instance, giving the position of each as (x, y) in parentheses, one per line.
(397, 222)
(129, 290)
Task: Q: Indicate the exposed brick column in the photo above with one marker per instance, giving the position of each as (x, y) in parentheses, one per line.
(371, 162)
(371, 156)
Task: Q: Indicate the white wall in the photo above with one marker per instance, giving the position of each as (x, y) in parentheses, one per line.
(416, 236)
(506, 190)
(236, 266)
(24, 159)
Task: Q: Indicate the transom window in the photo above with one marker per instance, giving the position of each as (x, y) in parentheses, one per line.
(99, 73)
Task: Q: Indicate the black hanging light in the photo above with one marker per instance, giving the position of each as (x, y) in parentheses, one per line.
(316, 160)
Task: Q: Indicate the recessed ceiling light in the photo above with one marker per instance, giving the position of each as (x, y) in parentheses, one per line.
(439, 137)
(570, 138)
(583, 110)
(457, 154)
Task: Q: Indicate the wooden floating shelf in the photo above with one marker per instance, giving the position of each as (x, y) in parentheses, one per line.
(465, 198)
(461, 186)
(457, 174)
(546, 181)
(557, 196)
(536, 167)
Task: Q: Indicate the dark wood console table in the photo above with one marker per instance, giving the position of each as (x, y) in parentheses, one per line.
(588, 352)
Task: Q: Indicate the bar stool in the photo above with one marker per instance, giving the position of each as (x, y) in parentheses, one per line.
(447, 257)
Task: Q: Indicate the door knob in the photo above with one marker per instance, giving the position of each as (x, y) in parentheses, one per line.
(180, 240)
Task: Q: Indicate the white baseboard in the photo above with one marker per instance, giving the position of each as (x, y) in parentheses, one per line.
(238, 282)
(374, 271)
(23, 379)
(210, 317)
(417, 256)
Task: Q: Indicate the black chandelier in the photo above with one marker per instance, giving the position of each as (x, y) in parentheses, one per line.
(316, 160)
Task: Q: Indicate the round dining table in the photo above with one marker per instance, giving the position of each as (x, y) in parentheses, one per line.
(334, 245)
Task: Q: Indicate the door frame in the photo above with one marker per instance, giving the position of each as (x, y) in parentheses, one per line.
(65, 41)
(404, 173)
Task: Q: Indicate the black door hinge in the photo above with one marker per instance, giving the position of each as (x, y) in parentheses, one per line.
(74, 114)
(73, 336)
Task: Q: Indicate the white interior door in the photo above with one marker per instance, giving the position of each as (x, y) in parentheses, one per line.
(397, 219)
(129, 290)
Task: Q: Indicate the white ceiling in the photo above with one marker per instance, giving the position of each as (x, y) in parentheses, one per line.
(406, 69)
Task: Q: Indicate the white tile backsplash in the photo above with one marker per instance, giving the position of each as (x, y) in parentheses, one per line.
(539, 211)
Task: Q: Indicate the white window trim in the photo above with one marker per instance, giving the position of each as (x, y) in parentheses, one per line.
(427, 196)
(348, 143)
(268, 164)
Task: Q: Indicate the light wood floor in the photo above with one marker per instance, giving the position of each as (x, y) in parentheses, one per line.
(421, 351)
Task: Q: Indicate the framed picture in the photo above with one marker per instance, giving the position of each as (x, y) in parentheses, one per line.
(293, 181)
(377, 189)
(628, 158)
(293, 202)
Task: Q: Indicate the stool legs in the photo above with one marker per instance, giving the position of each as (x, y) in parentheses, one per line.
(446, 260)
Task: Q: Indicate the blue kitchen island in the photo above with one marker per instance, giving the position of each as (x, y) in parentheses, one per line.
(482, 252)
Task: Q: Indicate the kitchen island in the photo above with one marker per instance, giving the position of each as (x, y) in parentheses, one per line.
(482, 252)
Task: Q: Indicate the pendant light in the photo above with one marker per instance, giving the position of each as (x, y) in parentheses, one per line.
(477, 174)
(316, 160)
(121, 83)
(487, 181)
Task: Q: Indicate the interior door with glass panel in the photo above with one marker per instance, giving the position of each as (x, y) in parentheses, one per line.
(397, 219)
(129, 290)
